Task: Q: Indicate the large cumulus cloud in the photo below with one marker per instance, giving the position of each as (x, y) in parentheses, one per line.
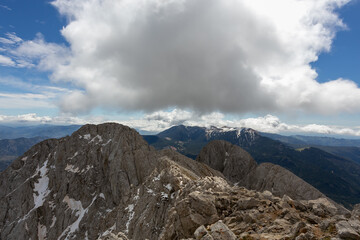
(232, 56)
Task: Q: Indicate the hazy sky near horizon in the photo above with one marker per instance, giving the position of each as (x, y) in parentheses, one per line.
(277, 66)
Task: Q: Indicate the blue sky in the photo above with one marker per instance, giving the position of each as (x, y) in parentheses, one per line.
(284, 66)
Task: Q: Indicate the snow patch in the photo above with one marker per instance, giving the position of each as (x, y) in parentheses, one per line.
(42, 232)
(130, 209)
(88, 167)
(80, 212)
(112, 228)
(98, 138)
(24, 159)
(168, 186)
(41, 187)
(75, 154)
(150, 191)
(87, 136)
(157, 178)
(137, 195)
(107, 142)
(102, 195)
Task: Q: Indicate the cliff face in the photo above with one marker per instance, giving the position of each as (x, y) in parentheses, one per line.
(105, 182)
(240, 168)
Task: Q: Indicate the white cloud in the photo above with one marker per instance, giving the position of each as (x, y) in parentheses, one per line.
(162, 120)
(27, 95)
(5, 7)
(6, 61)
(228, 56)
(225, 56)
(34, 53)
(33, 118)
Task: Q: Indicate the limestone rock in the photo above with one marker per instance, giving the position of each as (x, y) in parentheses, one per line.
(240, 168)
(221, 232)
(345, 231)
(105, 182)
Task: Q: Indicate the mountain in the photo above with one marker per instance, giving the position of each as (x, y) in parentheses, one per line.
(336, 177)
(14, 141)
(239, 167)
(303, 141)
(345, 148)
(351, 153)
(10, 149)
(105, 182)
(51, 131)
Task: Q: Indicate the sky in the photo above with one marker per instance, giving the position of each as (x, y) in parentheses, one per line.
(282, 66)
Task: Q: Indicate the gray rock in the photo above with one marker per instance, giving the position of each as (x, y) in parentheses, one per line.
(105, 182)
(200, 232)
(220, 231)
(240, 168)
(345, 231)
(234, 162)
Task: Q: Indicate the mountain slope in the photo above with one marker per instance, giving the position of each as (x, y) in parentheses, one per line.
(336, 177)
(303, 141)
(239, 167)
(105, 182)
(75, 187)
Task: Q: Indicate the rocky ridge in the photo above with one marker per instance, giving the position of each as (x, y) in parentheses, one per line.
(239, 167)
(105, 182)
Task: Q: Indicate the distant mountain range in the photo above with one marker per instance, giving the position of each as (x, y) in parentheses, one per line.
(301, 141)
(337, 177)
(50, 131)
(15, 141)
(10, 149)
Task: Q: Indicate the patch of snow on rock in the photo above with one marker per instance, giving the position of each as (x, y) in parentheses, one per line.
(112, 228)
(168, 186)
(107, 142)
(157, 178)
(87, 136)
(98, 138)
(102, 195)
(130, 209)
(80, 212)
(41, 187)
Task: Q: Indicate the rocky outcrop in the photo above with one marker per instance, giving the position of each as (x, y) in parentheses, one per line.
(89, 184)
(105, 182)
(240, 168)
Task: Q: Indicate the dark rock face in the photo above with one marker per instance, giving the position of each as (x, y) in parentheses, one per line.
(234, 162)
(105, 182)
(240, 168)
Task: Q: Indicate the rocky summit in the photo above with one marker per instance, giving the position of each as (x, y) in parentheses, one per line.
(105, 182)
